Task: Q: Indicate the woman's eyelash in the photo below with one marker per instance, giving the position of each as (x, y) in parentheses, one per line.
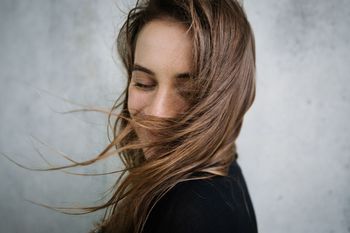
(143, 86)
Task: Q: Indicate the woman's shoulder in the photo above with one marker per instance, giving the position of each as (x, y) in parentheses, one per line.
(217, 204)
(224, 191)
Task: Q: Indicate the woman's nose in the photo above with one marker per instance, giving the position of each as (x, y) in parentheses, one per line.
(163, 104)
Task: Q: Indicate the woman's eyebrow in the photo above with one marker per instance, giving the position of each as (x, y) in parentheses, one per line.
(137, 67)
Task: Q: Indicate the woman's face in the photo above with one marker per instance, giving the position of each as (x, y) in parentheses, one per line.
(162, 65)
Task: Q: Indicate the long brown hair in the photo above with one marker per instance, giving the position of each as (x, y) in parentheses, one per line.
(202, 140)
(198, 144)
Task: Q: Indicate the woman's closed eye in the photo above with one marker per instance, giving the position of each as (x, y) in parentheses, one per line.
(144, 86)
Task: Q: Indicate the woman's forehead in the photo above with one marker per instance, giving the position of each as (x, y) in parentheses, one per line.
(164, 46)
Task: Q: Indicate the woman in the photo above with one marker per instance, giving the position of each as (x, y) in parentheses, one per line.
(191, 78)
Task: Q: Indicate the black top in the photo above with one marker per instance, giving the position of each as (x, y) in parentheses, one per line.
(216, 205)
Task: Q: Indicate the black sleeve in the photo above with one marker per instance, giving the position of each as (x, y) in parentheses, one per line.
(201, 207)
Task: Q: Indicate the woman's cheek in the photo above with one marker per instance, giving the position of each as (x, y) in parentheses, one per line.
(136, 100)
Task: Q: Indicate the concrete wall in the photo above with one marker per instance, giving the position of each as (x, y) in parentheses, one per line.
(294, 147)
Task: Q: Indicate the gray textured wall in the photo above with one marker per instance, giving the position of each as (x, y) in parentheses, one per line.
(294, 147)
